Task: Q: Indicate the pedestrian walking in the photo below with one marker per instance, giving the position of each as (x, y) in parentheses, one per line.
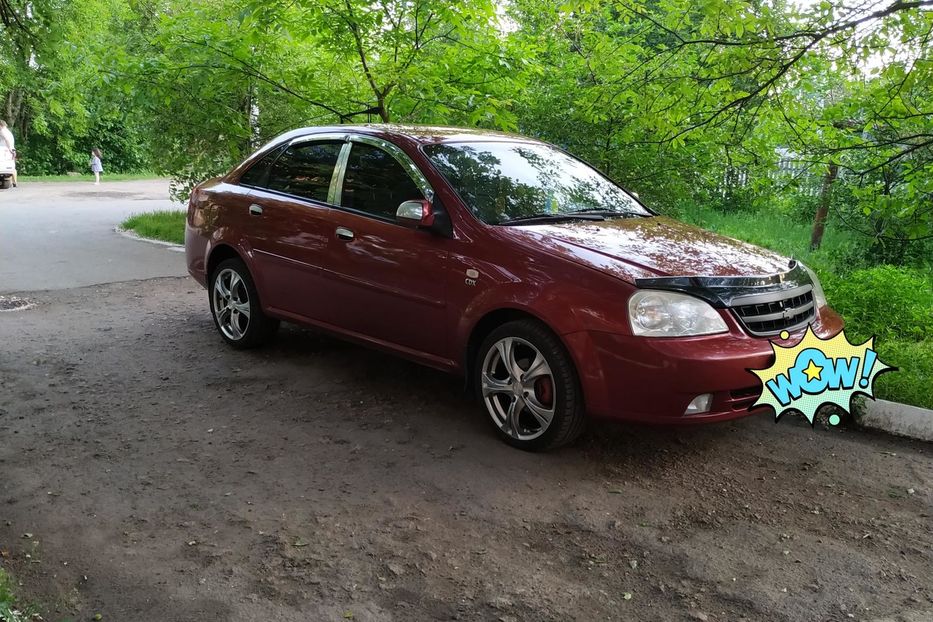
(7, 142)
(96, 167)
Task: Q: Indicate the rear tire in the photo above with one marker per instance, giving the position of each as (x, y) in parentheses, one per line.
(235, 306)
(6, 183)
(528, 385)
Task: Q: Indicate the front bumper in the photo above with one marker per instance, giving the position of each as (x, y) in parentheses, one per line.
(652, 380)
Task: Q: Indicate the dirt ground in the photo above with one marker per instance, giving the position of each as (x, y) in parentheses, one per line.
(148, 472)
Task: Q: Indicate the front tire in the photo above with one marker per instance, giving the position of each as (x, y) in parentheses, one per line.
(527, 382)
(235, 306)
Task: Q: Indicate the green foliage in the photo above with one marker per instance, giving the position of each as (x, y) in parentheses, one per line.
(888, 302)
(54, 91)
(772, 229)
(167, 226)
(224, 76)
(911, 383)
(681, 101)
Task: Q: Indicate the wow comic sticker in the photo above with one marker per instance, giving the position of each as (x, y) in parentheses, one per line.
(815, 372)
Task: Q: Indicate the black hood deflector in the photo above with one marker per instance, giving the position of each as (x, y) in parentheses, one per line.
(722, 291)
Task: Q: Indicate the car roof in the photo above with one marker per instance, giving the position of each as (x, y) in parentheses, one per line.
(424, 134)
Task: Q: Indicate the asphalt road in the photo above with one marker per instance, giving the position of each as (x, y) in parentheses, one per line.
(61, 235)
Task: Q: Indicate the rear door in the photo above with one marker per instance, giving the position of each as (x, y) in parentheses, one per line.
(390, 279)
(290, 228)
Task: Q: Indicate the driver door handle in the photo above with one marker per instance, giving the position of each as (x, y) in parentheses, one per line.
(255, 210)
(344, 234)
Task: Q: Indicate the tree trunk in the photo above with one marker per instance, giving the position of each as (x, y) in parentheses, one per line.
(383, 113)
(826, 191)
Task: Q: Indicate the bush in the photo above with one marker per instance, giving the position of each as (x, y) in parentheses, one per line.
(888, 302)
(796, 207)
(912, 383)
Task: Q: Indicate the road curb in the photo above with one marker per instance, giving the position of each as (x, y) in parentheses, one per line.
(899, 419)
(135, 236)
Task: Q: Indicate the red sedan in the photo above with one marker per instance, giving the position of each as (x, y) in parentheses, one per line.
(501, 258)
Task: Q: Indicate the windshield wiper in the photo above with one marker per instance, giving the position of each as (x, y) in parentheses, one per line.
(609, 213)
(551, 218)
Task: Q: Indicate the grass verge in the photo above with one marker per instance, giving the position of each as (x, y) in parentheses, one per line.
(88, 177)
(166, 225)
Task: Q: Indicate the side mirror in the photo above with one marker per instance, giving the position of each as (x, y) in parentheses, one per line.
(416, 214)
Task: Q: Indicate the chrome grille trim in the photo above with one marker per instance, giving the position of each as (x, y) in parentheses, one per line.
(787, 312)
(772, 312)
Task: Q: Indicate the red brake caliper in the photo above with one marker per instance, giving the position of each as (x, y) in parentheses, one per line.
(544, 391)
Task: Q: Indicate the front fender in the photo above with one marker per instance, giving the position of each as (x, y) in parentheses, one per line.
(568, 298)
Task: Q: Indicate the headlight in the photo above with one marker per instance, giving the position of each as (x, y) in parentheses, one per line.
(654, 313)
(818, 296)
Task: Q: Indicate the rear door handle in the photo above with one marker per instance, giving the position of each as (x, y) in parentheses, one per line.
(255, 210)
(344, 234)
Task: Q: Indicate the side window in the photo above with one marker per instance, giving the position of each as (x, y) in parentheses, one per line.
(257, 175)
(305, 169)
(375, 182)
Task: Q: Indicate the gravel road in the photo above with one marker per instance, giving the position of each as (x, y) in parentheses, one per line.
(148, 472)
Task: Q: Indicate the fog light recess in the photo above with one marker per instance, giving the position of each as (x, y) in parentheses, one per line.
(699, 404)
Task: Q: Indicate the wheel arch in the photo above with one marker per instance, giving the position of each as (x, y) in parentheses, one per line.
(220, 252)
(488, 323)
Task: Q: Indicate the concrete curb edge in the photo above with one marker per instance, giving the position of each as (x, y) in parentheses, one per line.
(900, 419)
(135, 236)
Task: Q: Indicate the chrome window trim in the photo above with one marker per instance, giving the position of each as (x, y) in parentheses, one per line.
(340, 169)
(399, 156)
(307, 138)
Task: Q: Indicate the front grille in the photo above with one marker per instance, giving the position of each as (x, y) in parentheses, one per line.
(769, 314)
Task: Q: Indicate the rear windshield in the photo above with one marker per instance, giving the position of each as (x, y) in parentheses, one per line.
(502, 181)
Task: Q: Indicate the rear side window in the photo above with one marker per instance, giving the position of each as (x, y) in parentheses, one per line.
(375, 182)
(305, 170)
(258, 174)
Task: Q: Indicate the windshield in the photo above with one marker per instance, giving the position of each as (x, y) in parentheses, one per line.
(505, 181)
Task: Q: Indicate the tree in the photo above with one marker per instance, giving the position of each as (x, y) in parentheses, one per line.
(220, 76)
(52, 87)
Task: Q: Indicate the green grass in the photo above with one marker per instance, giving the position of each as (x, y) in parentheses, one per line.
(912, 383)
(9, 610)
(89, 177)
(168, 226)
(777, 232)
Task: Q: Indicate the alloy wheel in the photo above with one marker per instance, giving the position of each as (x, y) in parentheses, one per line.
(231, 304)
(518, 388)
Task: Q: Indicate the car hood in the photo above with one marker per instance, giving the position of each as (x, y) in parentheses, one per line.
(633, 248)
